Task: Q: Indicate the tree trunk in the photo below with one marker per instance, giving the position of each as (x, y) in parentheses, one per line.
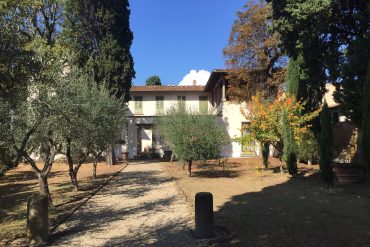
(281, 166)
(73, 176)
(189, 167)
(43, 186)
(109, 155)
(94, 167)
(265, 151)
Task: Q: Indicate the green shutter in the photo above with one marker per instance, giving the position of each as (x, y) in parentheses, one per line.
(181, 100)
(138, 104)
(203, 104)
(159, 104)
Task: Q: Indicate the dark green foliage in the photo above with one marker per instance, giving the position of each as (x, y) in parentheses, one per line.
(300, 24)
(326, 138)
(308, 148)
(192, 136)
(24, 61)
(98, 33)
(296, 79)
(333, 38)
(365, 145)
(153, 81)
(350, 92)
(289, 153)
(265, 153)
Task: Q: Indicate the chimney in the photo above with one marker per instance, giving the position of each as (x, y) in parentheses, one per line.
(194, 82)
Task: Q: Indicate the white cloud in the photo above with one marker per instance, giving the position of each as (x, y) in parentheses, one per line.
(201, 77)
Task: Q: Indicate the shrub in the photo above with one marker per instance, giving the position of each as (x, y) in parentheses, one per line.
(191, 135)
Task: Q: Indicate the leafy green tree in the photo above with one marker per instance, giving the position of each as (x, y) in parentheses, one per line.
(99, 35)
(289, 151)
(295, 79)
(326, 138)
(191, 135)
(332, 37)
(308, 148)
(153, 81)
(33, 132)
(353, 71)
(90, 119)
(28, 31)
(296, 86)
(366, 121)
(16, 70)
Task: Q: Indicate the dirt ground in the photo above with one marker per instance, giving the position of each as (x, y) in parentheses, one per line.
(267, 208)
(20, 183)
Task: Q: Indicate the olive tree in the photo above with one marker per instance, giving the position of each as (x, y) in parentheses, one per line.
(191, 135)
(91, 119)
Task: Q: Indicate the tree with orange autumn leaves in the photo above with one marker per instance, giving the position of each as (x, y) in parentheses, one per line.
(253, 57)
(266, 120)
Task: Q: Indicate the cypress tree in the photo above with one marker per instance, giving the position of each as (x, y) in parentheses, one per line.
(326, 137)
(295, 83)
(365, 126)
(289, 153)
(99, 36)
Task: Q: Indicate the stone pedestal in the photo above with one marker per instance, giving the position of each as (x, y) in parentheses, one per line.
(37, 219)
(203, 215)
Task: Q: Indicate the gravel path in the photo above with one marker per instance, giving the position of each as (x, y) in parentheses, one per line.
(139, 207)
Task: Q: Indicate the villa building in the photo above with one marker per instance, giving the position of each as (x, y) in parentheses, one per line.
(151, 102)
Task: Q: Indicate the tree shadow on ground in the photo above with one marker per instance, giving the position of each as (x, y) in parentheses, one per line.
(15, 188)
(138, 183)
(216, 174)
(300, 212)
(173, 233)
(88, 220)
(130, 185)
(212, 169)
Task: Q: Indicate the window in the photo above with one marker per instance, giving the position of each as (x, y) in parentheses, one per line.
(159, 105)
(138, 104)
(203, 104)
(181, 101)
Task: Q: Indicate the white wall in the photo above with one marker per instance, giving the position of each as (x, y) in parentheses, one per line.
(229, 113)
(232, 119)
(170, 99)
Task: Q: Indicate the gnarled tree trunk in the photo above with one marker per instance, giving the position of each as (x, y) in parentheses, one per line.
(73, 170)
(95, 163)
(44, 186)
(42, 175)
(189, 167)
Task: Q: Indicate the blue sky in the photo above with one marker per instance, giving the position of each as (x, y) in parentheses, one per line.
(172, 37)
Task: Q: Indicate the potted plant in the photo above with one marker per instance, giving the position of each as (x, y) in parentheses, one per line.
(167, 155)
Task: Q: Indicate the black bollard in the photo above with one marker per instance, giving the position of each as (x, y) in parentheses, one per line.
(37, 219)
(203, 215)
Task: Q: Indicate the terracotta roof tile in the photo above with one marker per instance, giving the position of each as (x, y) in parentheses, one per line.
(167, 89)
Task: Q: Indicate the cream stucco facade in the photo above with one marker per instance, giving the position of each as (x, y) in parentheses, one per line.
(140, 133)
